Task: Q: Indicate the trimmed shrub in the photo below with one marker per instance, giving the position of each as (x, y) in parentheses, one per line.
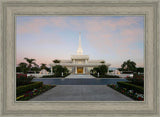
(23, 80)
(23, 89)
(130, 93)
(109, 76)
(58, 69)
(137, 79)
(130, 86)
(53, 76)
(35, 92)
(20, 75)
(48, 76)
(105, 76)
(101, 69)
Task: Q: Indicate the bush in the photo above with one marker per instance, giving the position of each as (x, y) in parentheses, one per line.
(21, 75)
(130, 86)
(58, 70)
(130, 93)
(23, 80)
(53, 76)
(23, 89)
(101, 69)
(48, 76)
(30, 94)
(109, 76)
(137, 79)
(106, 76)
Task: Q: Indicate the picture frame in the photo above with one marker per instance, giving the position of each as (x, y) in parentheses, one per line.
(11, 9)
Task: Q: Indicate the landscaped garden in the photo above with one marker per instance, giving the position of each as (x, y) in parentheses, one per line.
(101, 72)
(26, 89)
(58, 72)
(133, 88)
(30, 66)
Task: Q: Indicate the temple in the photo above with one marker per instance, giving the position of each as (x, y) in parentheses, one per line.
(80, 64)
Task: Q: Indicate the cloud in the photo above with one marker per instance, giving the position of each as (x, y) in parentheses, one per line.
(90, 25)
(59, 22)
(36, 25)
(110, 24)
(33, 26)
(109, 36)
(48, 39)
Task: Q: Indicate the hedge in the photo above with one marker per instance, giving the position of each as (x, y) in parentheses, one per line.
(105, 76)
(138, 79)
(130, 86)
(23, 89)
(22, 80)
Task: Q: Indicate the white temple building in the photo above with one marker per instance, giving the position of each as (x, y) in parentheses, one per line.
(80, 64)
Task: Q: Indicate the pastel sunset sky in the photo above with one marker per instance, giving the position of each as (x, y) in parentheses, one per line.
(112, 38)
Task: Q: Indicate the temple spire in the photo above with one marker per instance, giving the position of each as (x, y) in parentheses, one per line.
(79, 50)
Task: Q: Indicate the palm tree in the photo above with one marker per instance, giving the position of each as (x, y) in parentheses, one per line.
(101, 69)
(128, 65)
(22, 64)
(30, 62)
(56, 61)
(43, 66)
(23, 67)
(102, 62)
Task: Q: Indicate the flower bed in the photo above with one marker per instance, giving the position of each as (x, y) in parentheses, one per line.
(21, 75)
(22, 89)
(131, 86)
(22, 79)
(128, 92)
(35, 92)
(137, 79)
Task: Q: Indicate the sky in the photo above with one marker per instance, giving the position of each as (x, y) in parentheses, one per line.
(114, 39)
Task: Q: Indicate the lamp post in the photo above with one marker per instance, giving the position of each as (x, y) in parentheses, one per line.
(51, 70)
(62, 74)
(98, 74)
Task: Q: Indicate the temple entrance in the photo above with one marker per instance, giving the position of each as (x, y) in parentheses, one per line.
(79, 70)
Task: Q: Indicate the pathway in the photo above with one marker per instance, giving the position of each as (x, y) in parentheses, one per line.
(81, 93)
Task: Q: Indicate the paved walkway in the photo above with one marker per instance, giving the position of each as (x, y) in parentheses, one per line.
(81, 93)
